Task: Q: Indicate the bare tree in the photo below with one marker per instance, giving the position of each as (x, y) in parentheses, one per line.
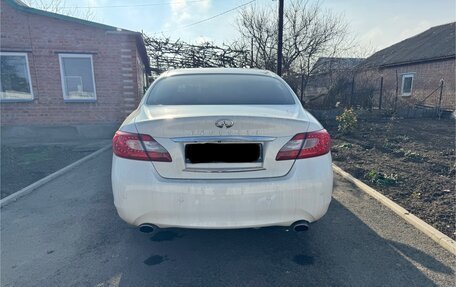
(309, 32)
(255, 24)
(60, 7)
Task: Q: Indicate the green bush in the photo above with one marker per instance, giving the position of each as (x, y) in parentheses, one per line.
(382, 179)
(347, 120)
(389, 145)
(408, 154)
(411, 154)
(344, 145)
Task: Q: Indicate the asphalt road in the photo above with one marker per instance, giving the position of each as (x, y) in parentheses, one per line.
(67, 233)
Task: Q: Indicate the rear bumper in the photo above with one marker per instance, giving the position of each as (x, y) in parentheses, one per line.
(142, 196)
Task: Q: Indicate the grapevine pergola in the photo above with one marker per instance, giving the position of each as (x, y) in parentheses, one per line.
(166, 54)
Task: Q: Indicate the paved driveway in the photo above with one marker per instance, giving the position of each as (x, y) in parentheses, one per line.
(67, 233)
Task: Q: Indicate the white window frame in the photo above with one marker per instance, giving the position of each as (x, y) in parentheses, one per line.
(62, 76)
(28, 74)
(403, 76)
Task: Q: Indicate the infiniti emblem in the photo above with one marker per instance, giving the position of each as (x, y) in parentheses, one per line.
(224, 123)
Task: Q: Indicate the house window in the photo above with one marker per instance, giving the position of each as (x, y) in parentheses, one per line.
(78, 82)
(15, 84)
(407, 84)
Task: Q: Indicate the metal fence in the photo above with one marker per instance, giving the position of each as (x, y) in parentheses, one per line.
(369, 93)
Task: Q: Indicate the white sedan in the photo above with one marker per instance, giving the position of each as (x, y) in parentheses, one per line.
(221, 148)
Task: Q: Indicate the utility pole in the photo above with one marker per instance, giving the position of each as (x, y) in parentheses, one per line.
(280, 39)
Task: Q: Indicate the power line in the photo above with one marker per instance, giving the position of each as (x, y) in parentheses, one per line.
(134, 5)
(215, 16)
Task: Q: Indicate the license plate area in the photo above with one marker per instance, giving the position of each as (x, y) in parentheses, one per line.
(201, 153)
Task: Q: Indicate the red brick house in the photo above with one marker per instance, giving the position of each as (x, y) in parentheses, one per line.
(418, 71)
(58, 70)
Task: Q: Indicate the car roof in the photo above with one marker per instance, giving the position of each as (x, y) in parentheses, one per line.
(243, 71)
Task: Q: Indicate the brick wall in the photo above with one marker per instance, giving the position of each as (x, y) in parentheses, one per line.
(426, 79)
(43, 38)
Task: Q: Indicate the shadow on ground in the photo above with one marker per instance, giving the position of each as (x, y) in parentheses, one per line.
(68, 233)
(340, 250)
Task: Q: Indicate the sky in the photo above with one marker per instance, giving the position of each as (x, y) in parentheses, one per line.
(374, 24)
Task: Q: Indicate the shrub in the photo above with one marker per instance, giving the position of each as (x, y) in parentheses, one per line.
(380, 178)
(344, 145)
(411, 154)
(408, 154)
(347, 120)
(388, 145)
(416, 194)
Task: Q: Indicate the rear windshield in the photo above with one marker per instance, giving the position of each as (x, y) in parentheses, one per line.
(220, 89)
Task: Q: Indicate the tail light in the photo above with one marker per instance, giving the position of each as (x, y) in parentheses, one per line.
(139, 146)
(306, 145)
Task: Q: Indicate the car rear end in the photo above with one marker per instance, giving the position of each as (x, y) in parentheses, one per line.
(224, 148)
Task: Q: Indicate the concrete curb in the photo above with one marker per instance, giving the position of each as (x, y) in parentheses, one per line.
(443, 240)
(26, 190)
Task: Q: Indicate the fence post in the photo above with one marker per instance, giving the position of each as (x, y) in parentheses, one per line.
(397, 92)
(439, 109)
(381, 94)
(352, 91)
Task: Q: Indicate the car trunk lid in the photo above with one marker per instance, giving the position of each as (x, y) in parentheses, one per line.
(222, 142)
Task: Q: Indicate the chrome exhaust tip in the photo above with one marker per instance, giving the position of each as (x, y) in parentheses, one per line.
(300, 226)
(147, 228)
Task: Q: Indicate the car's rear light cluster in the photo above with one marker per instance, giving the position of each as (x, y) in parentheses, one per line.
(306, 145)
(139, 146)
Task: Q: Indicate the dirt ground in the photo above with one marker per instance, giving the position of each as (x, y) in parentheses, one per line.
(22, 165)
(411, 161)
